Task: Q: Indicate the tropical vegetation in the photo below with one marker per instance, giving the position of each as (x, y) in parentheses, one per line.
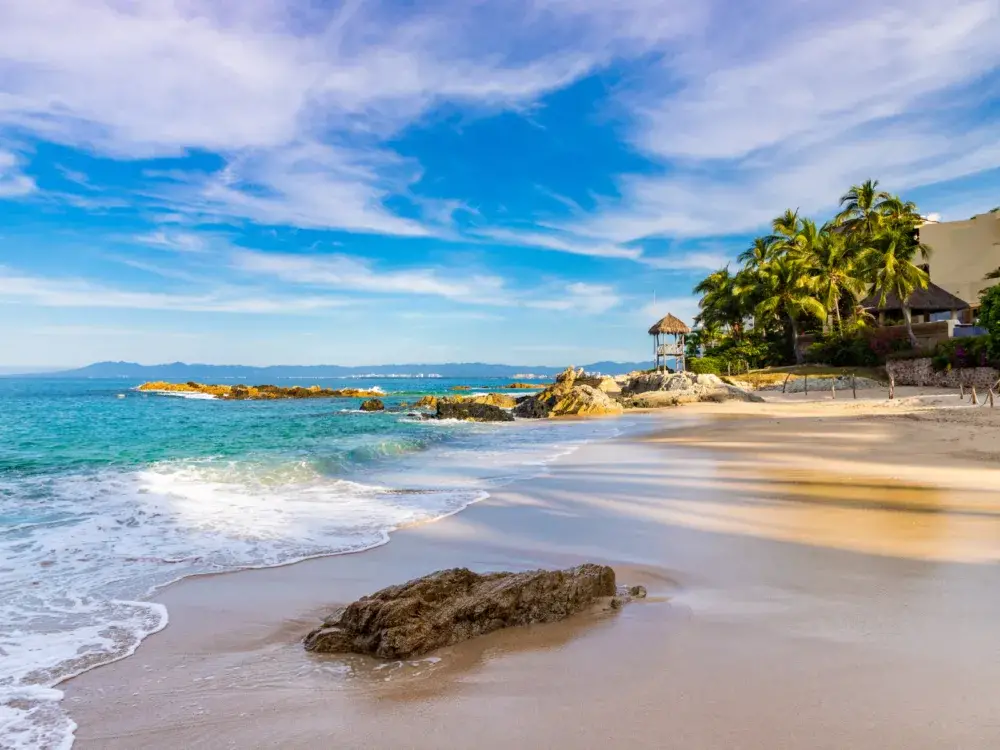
(809, 277)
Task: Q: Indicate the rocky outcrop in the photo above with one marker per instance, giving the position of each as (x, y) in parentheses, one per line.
(470, 411)
(653, 390)
(373, 404)
(604, 383)
(450, 606)
(921, 372)
(426, 402)
(255, 392)
(461, 388)
(566, 397)
(502, 400)
(523, 386)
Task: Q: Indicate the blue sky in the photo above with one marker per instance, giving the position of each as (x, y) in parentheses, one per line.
(293, 181)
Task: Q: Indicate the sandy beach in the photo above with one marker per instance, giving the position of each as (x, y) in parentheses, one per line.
(822, 574)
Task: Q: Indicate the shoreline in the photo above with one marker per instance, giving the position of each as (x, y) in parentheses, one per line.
(668, 511)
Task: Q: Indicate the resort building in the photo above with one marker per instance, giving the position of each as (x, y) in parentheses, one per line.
(963, 252)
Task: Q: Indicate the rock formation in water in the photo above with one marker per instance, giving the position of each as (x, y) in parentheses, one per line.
(570, 395)
(426, 402)
(450, 606)
(469, 410)
(373, 404)
(255, 392)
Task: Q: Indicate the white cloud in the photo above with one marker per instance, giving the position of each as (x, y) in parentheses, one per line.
(561, 244)
(353, 274)
(264, 82)
(745, 126)
(181, 242)
(13, 182)
(590, 299)
(691, 260)
(81, 293)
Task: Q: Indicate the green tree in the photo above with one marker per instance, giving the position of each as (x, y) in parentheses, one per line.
(832, 260)
(787, 291)
(862, 208)
(890, 267)
(758, 254)
(721, 303)
(989, 318)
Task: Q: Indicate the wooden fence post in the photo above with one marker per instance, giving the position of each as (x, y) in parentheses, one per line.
(961, 391)
(854, 385)
(991, 398)
(975, 401)
(785, 384)
(807, 384)
(833, 389)
(892, 387)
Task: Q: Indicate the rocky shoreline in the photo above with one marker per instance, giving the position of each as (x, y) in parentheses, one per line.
(256, 392)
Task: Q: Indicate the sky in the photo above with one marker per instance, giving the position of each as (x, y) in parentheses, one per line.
(522, 181)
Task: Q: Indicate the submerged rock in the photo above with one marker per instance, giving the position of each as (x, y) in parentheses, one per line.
(373, 404)
(469, 410)
(454, 605)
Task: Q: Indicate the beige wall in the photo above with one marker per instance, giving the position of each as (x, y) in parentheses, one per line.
(963, 253)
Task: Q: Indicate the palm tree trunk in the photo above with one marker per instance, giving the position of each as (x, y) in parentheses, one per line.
(908, 317)
(795, 339)
(836, 315)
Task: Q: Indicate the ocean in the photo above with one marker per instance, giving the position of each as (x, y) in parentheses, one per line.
(107, 494)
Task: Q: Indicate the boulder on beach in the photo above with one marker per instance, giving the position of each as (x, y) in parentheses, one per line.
(651, 390)
(568, 396)
(470, 411)
(454, 605)
(373, 404)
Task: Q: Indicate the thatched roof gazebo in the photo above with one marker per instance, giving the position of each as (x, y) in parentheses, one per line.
(923, 302)
(676, 329)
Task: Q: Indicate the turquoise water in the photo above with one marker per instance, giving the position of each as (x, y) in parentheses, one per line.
(107, 494)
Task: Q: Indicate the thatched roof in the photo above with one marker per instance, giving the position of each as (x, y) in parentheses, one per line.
(932, 299)
(669, 324)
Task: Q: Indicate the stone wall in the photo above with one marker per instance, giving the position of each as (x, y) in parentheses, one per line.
(921, 372)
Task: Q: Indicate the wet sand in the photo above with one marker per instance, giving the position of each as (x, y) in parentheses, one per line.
(820, 576)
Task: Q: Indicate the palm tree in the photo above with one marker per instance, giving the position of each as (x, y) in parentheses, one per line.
(890, 267)
(784, 232)
(862, 208)
(787, 290)
(832, 260)
(721, 302)
(758, 254)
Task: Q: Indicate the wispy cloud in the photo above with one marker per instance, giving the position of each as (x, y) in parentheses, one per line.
(181, 242)
(690, 260)
(563, 244)
(743, 127)
(354, 274)
(13, 182)
(82, 293)
(590, 299)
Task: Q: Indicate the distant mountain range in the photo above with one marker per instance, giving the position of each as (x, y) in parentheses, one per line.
(180, 371)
